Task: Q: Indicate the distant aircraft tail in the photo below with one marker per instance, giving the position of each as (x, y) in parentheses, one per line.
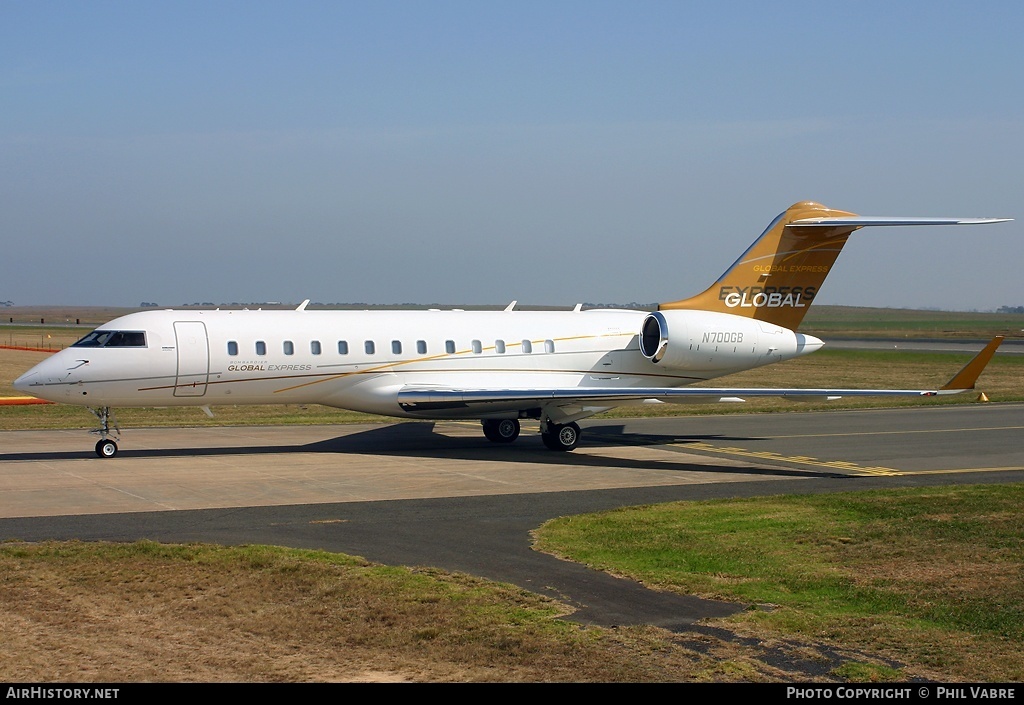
(778, 277)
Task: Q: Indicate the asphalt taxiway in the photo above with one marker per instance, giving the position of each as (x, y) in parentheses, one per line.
(438, 494)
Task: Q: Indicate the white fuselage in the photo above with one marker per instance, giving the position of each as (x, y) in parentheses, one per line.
(359, 360)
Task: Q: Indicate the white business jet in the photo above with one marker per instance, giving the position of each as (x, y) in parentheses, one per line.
(496, 366)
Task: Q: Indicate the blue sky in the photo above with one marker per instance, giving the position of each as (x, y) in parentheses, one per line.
(479, 152)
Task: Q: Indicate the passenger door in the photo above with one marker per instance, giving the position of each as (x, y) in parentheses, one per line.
(193, 358)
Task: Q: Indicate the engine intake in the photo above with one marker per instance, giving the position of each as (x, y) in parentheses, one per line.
(654, 336)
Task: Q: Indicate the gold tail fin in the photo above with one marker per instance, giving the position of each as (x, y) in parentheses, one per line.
(777, 278)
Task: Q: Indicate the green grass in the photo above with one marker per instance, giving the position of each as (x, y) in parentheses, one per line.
(930, 577)
(853, 322)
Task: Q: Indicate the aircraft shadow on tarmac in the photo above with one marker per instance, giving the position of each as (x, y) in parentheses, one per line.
(418, 439)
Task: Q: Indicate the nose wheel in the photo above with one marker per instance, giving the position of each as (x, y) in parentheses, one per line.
(106, 448)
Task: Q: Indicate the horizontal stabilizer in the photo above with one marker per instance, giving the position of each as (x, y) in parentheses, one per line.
(866, 221)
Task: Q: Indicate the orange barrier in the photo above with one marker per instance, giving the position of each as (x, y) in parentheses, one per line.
(19, 347)
(18, 401)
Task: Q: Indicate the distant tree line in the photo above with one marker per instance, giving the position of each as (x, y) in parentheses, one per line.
(1010, 309)
(6, 303)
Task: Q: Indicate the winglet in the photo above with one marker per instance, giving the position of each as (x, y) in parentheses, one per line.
(966, 377)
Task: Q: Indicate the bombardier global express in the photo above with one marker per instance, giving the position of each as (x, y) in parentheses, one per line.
(500, 367)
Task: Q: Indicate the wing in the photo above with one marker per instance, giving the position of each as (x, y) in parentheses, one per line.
(427, 399)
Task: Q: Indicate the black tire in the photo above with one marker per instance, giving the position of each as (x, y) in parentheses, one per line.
(501, 430)
(106, 448)
(490, 430)
(562, 436)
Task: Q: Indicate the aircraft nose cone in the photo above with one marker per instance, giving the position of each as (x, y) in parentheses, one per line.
(22, 383)
(37, 380)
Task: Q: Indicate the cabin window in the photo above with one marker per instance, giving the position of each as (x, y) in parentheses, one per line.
(477, 347)
(369, 347)
(499, 347)
(232, 348)
(527, 346)
(421, 347)
(549, 346)
(449, 347)
(343, 347)
(314, 347)
(289, 347)
(396, 347)
(261, 347)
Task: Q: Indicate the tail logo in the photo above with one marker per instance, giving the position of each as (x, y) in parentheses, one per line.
(766, 297)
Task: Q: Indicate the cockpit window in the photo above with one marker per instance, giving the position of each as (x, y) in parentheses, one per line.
(127, 339)
(113, 339)
(96, 339)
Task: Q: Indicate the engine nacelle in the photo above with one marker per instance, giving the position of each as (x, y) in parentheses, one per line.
(705, 340)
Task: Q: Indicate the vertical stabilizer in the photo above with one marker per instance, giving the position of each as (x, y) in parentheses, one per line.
(778, 276)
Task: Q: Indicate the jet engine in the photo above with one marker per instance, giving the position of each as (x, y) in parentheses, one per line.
(705, 340)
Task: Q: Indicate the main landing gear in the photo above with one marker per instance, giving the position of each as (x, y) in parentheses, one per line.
(555, 436)
(561, 436)
(106, 447)
(501, 430)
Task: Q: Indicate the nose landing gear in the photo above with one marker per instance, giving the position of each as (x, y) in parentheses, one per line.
(106, 447)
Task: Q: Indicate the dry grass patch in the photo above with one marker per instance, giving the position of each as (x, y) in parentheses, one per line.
(80, 612)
